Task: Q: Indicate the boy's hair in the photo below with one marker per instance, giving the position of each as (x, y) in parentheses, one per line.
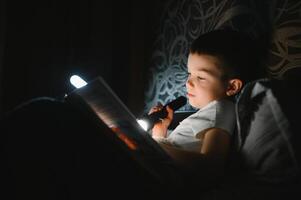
(235, 52)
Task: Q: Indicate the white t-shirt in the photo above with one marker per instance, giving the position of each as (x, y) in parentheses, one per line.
(217, 114)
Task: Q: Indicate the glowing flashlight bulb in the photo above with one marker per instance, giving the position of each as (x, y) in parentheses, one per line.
(77, 81)
(143, 124)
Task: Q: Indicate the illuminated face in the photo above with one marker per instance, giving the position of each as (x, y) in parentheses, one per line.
(204, 83)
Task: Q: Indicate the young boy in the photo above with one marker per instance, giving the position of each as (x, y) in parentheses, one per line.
(219, 63)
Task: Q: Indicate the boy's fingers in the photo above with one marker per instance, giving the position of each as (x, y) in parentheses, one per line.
(155, 108)
(169, 112)
(169, 109)
(152, 110)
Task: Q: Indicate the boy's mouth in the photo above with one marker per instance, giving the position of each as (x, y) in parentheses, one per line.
(189, 94)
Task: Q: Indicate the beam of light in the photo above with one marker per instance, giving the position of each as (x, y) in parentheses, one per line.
(143, 124)
(77, 81)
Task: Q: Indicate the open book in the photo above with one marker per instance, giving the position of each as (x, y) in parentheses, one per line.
(98, 101)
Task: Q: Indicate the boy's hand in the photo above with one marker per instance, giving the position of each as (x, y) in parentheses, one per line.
(160, 128)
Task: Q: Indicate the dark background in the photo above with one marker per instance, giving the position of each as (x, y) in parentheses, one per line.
(139, 47)
(44, 42)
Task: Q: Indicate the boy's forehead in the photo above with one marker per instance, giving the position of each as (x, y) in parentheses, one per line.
(203, 58)
(200, 62)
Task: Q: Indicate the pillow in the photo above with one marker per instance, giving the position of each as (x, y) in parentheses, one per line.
(264, 136)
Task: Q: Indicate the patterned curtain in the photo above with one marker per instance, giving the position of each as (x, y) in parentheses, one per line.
(285, 52)
(184, 20)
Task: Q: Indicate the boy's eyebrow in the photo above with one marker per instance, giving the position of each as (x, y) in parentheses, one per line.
(207, 71)
(204, 70)
(210, 72)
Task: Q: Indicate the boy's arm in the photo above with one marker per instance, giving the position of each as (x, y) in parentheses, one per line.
(212, 156)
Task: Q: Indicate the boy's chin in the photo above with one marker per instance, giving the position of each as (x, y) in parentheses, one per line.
(199, 105)
(195, 105)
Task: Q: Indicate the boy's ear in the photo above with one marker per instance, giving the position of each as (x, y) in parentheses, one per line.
(234, 86)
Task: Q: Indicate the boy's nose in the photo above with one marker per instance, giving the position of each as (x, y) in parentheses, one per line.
(189, 82)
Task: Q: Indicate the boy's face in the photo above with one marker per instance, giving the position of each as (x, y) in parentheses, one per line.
(204, 83)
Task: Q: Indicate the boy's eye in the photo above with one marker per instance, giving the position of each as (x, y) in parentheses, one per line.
(201, 78)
